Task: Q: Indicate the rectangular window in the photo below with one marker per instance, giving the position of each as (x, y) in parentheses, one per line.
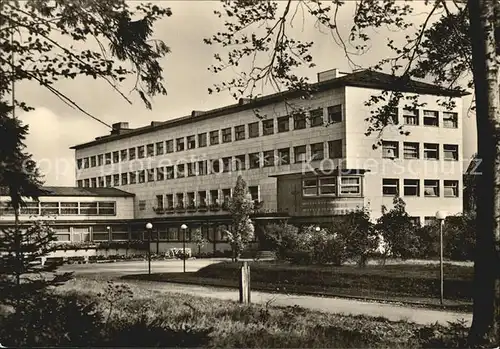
(431, 187)
(299, 121)
(214, 196)
(226, 164)
(253, 130)
(160, 148)
(300, 154)
(267, 127)
(179, 144)
(390, 150)
(335, 149)
(310, 187)
(116, 157)
(116, 180)
(132, 153)
(142, 205)
(49, 208)
(254, 160)
(215, 166)
(254, 192)
(202, 195)
(431, 118)
(350, 185)
(328, 186)
(140, 152)
(284, 156)
(107, 159)
(132, 177)
(150, 150)
(190, 200)
(317, 151)
(170, 201)
(124, 154)
(101, 182)
(450, 120)
(93, 161)
(240, 162)
(226, 194)
(106, 208)
(316, 117)
(214, 137)
(88, 208)
(411, 150)
(450, 189)
(191, 169)
(410, 116)
(159, 202)
(93, 182)
(160, 174)
(268, 158)
(151, 174)
(431, 151)
(86, 163)
(79, 163)
(169, 145)
(108, 181)
(390, 186)
(429, 220)
(450, 152)
(170, 172)
(100, 160)
(180, 171)
(202, 140)
(226, 135)
(69, 208)
(411, 187)
(334, 113)
(239, 133)
(86, 183)
(202, 168)
(191, 142)
(394, 115)
(125, 178)
(180, 200)
(142, 176)
(284, 124)
(79, 183)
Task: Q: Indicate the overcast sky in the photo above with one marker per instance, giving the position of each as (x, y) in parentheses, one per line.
(54, 127)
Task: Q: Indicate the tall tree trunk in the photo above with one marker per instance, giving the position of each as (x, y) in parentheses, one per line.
(486, 319)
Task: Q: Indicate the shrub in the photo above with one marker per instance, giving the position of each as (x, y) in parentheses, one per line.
(436, 336)
(459, 237)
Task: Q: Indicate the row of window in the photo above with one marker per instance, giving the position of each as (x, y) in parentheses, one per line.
(199, 199)
(412, 187)
(226, 135)
(332, 186)
(242, 162)
(412, 150)
(429, 118)
(161, 232)
(99, 208)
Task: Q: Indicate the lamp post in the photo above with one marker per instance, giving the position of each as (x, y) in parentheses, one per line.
(108, 229)
(183, 228)
(149, 227)
(318, 229)
(441, 216)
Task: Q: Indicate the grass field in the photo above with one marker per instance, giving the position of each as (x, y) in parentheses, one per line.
(403, 282)
(229, 324)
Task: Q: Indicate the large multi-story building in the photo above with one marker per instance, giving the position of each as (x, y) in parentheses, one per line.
(304, 159)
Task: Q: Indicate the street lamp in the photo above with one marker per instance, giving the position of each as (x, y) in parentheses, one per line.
(318, 229)
(108, 229)
(149, 227)
(183, 228)
(441, 216)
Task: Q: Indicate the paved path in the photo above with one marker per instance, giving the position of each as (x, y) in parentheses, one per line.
(324, 304)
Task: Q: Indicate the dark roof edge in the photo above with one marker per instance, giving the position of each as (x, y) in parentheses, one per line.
(269, 99)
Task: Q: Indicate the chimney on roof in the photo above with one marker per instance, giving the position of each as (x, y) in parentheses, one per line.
(118, 127)
(243, 101)
(330, 74)
(197, 113)
(155, 123)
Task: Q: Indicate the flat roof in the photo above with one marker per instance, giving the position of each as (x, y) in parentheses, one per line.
(77, 191)
(366, 78)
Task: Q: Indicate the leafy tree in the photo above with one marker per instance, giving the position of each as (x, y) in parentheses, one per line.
(464, 39)
(198, 239)
(459, 237)
(241, 207)
(398, 231)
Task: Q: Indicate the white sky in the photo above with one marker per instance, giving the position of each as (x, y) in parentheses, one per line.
(54, 127)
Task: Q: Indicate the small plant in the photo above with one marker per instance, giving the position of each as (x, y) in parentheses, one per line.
(112, 294)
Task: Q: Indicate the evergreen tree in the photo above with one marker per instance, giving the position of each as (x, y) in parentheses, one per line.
(241, 207)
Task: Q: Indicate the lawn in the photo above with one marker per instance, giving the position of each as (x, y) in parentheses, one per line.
(403, 282)
(226, 324)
